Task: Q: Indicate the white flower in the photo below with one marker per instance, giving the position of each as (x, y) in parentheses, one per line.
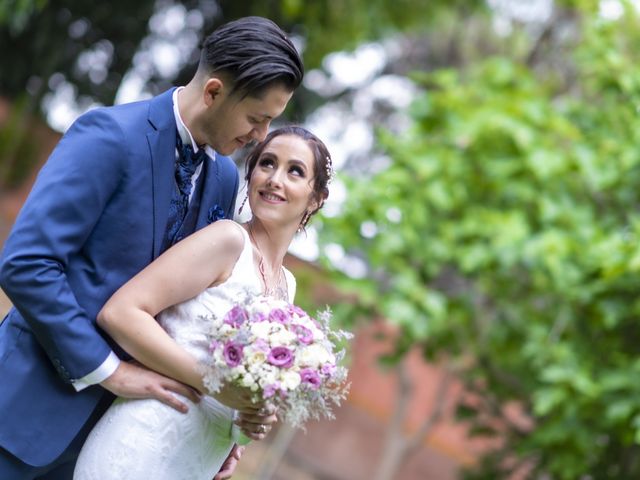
(290, 380)
(226, 329)
(314, 356)
(268, 375)
(255, 357)
(263, 307)
(261, 329)
(317, 333)
(248, 381)
(282, 337)
(238, 371)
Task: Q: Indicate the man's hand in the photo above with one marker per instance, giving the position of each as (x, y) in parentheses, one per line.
(230, 464)
(132, 380)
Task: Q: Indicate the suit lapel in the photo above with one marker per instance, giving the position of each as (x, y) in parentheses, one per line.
(162, 140)
(210, 192)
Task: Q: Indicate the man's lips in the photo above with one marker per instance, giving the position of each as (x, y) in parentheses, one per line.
(244, 141)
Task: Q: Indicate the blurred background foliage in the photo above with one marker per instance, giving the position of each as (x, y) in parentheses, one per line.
(86, 49)
(503, 237)
(496, 217)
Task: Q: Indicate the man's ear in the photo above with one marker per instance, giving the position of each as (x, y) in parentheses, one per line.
(213, 88)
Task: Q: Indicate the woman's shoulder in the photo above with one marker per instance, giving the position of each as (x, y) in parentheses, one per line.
(224, 242)
(225, 237)
(227, 234)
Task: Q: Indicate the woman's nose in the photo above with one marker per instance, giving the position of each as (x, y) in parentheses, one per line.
(276, 178)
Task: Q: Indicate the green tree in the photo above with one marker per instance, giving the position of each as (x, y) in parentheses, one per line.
(90, 47)
(40, 38)
(504, 238)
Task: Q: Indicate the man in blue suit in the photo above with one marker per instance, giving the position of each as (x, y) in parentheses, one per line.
(122, 185)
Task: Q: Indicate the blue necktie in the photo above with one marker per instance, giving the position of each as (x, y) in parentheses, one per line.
(187, 163)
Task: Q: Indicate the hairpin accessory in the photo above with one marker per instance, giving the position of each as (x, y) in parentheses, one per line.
(330, 171)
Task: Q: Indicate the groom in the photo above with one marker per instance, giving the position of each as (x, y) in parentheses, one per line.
(123, 184)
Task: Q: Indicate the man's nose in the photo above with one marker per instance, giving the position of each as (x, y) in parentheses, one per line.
(259, 133)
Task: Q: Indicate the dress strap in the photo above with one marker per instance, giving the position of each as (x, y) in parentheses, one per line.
(246, 256)
(291, 284)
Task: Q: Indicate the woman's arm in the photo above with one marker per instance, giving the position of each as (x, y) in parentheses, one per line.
(203, 259)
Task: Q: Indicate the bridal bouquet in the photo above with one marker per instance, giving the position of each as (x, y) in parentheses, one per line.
(280, 353)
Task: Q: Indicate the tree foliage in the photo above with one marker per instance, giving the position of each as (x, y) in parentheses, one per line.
(505, 236)
(90, 47)
(44, 37)
(40, 38)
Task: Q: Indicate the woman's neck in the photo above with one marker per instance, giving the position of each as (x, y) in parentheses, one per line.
(271, 244)
(269, 253)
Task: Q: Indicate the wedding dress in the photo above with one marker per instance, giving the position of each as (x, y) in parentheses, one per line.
(146, 439)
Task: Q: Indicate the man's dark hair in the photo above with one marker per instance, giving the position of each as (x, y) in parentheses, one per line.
(255, 53)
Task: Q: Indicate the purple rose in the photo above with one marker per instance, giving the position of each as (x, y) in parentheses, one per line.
(304, 334)
(310, 377)
(279, 316)
(328, 369)
(280, 357)
(232, 353)
(294, 309)
(270, 390)
(236, 316)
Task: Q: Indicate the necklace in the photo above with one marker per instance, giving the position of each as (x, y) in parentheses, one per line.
(277, 287)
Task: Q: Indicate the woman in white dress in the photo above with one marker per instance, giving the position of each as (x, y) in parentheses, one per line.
(288, 175)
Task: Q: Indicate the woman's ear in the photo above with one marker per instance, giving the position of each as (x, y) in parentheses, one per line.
(315, 204)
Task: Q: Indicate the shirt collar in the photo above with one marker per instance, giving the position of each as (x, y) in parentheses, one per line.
(183, 131)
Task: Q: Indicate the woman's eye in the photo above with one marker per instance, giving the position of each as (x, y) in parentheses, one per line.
(266, 162)
(297, 171)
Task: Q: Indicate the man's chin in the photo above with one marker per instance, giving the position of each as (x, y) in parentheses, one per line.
(239, 147)
(226, 150)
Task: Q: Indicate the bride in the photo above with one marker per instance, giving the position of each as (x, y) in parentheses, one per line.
(288, 175)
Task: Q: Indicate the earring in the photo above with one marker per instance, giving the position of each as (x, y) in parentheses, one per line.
(242, 204)
(304, 221)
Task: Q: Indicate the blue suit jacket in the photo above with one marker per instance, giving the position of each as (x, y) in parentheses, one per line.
(95, 217)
